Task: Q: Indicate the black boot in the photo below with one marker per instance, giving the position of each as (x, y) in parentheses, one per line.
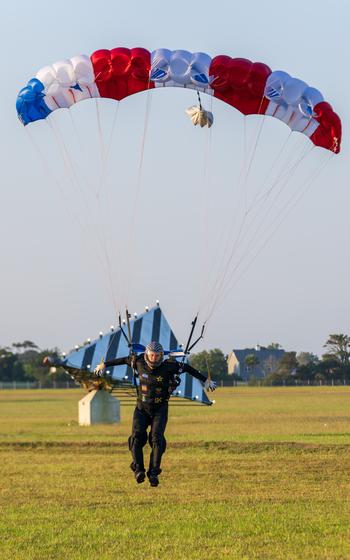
(140, 476)
(153, 480)
(139, 472)
(153, 476)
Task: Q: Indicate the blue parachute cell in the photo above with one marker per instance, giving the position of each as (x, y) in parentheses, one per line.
(30, 103)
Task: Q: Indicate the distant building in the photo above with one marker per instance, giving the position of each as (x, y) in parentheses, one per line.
(266, 362)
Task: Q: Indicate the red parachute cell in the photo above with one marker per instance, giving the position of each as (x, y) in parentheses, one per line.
(121, 72)
(328, 134)
(240, 83)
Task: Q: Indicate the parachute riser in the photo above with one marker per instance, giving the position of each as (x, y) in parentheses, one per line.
(197, 340)
(128, 339)
(123, 332)
(189, 346)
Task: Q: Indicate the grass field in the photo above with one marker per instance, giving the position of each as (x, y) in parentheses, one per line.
(262, 474)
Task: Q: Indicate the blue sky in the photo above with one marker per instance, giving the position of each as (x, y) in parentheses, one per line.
(53, 286)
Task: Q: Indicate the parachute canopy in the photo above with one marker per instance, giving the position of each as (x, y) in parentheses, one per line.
(250, 87)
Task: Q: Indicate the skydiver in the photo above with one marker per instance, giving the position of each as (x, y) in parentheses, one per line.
(157, 381)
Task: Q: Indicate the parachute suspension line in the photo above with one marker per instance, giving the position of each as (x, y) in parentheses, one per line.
(103, 221)
(204, 262)
(274, 164)
(222, 284)
(242, 234)
(76, 218)
(261, 104)
(127, 338)
(282, 179)
(109, 270)
(211, 274)
(71, 172)
(75, 182)
(108, 220)
(284, 174)
(48, 171)
(225, 254)
(230, 274)
(277, 222)
(84, 155)
(105, 148)
(285, 178)
(208, 369)
(102, 142)
(207, 263)
(67, 160)
(226, 279)
(137, 193)
(75, 129)
(287, 209)
(251, 159)
(115, 333)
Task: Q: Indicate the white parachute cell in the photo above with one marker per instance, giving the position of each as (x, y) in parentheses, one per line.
(180, 67)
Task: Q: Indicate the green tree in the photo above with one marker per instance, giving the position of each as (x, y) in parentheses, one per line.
(32, 361)
(216, 360)
(270, 365)
(306, 358)
(274, 346)
(328, 369)
(251, 361)
(10, 367)
(25, 345)
(305, 372)
(26, 364)
(286, 370)
(336, 361)
(338, 348)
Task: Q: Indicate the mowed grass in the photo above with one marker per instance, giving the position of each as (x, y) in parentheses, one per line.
(262, 474)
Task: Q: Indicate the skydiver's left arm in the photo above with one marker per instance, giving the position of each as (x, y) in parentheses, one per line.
(208, 383)
(194, 372)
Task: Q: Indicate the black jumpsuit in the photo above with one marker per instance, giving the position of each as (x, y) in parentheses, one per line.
(153, 393)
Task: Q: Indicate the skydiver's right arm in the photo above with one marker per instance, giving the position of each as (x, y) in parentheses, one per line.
(119, 362)
(101, 368)
(52, 361)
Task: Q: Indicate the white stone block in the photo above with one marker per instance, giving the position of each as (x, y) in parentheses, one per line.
(99, 407)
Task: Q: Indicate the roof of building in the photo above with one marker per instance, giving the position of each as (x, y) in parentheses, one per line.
(261, 352)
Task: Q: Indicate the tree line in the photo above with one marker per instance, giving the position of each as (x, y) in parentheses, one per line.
(293, 368)
(22, 362)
